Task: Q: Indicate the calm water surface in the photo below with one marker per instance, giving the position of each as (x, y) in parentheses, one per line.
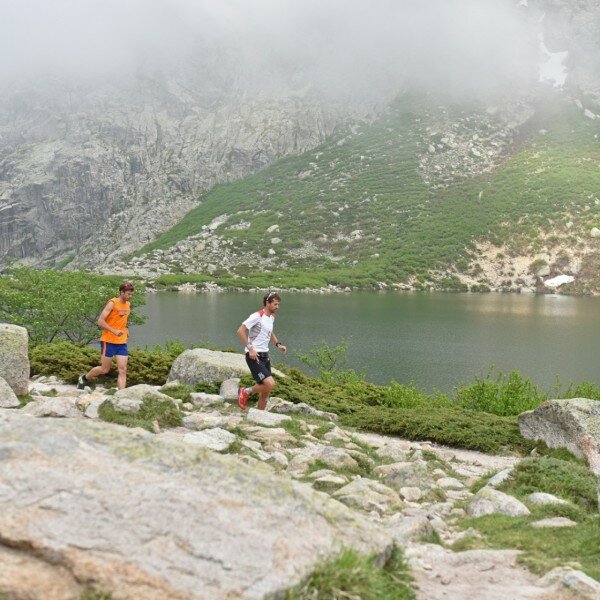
(433, 340)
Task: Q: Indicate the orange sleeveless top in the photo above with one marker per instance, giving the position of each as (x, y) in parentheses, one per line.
(117, 318)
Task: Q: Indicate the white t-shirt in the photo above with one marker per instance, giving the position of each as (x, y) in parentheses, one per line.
(260, 328)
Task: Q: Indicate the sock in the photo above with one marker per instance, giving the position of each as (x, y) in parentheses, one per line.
(249, 390)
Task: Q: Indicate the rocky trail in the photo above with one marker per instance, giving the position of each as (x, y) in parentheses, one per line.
(257, 478)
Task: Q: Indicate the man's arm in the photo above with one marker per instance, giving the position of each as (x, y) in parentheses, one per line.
(102, 319)
(276, 342)
(243, 334)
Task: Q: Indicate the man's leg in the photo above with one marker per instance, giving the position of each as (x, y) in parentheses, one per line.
(122, 366)
(263, 390)
(102, 369)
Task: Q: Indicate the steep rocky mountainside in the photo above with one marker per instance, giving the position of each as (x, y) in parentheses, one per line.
(426, 191)
(90, 170)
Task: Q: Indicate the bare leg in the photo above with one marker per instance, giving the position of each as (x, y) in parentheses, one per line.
(102, 369)
(263, 390)
(122, 366)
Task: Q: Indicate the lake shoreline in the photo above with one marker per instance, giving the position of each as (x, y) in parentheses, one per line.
(192, 288)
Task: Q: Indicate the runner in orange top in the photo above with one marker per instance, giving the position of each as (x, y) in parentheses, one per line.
(113, 341)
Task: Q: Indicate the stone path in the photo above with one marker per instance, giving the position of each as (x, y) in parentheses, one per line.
(412, 490)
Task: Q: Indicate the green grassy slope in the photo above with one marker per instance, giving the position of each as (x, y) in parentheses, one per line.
(369, 181)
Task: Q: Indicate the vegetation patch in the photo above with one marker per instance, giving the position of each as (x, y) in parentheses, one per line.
(545, 549)
(25, 399)
(565, 479)
(367, 407)
(353, 575)
(93, 594)
(163, 411)
(293, 427)
(371, 181)
(67, 361)
(181, 392)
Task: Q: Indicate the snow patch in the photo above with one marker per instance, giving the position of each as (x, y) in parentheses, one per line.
(553, 69)
(558, 281)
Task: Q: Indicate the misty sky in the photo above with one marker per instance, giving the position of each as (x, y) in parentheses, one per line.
(357, 45)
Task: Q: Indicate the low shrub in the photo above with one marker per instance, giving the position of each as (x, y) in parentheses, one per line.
(450, 426)
(367, 406)
(67, 361)
(504, 395)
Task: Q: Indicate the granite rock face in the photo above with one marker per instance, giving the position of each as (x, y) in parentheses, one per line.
(107, 165)
(240, 530)
(14, 357)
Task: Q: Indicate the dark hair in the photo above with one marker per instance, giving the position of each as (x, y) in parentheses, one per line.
(270, 297)
(126, 286)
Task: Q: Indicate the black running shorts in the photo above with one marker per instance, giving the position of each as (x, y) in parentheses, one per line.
(261, 368)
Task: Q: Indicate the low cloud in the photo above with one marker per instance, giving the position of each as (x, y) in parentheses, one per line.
(341, 46)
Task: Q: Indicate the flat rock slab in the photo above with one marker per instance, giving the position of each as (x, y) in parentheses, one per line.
(200, 399)
(543, 499)
(262, 417)
(554, 522)
(441, 574)
(186, 523)
(214, 439)
(198, 421)
(53, 407)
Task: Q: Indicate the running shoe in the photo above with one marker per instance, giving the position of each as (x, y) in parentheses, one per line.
(242, 398)
(82, 382)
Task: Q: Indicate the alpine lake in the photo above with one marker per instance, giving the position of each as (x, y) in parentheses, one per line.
(434, 340)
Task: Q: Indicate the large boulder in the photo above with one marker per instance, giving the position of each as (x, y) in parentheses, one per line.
(208, 366)
(572, 424)
(185, 523)
(14, 357)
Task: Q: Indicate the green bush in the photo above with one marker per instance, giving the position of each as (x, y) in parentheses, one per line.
(504, 395)
(59, 305)
(67, 361)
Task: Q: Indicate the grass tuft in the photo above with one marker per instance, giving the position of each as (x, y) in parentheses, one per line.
(163, 411)
(352, 576)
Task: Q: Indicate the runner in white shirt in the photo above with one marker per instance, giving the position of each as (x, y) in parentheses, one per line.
(256, 332)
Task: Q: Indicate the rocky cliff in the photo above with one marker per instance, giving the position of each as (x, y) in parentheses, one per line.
(96, 169)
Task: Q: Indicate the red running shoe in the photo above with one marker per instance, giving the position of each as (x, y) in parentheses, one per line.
(242, 398)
